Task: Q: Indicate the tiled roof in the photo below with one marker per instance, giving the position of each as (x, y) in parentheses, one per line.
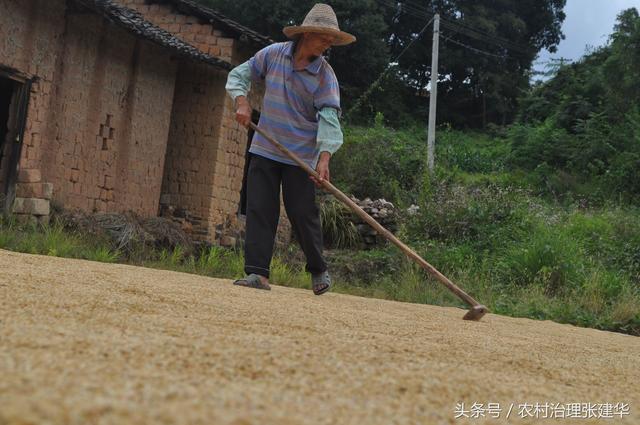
(135, 23)
(190, 7)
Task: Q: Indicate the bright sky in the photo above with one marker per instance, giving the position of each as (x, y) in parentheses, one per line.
(588, 23)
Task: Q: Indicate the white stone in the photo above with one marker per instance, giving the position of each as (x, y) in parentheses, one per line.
(413, 209)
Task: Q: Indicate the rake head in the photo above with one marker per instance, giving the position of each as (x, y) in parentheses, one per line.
(475, 313)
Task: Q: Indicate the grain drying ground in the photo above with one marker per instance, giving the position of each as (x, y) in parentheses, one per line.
(91, 343)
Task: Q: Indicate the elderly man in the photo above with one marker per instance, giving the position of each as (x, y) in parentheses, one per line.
(300, 110)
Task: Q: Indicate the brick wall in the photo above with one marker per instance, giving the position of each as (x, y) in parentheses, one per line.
(112, 110)
(193, 139)
(230, 159)
(205, 158)
(27, 50)
(206, 153)
(99, 112)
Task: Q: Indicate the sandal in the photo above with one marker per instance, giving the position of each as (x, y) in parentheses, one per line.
(252, 281)
(321, 283)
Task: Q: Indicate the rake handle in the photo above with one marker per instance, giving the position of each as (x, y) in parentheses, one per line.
(371, 221)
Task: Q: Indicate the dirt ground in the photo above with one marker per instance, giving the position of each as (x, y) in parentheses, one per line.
(91, 343)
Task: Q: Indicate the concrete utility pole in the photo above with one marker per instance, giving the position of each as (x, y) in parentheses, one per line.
(431, 131)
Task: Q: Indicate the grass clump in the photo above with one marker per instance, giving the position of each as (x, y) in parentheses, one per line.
(53, 239)
(337, 228)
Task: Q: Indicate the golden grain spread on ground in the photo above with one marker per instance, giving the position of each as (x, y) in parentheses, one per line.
(91, 343)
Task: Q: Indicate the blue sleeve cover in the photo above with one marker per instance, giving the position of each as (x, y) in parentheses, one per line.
(239, 81)
(329, 132)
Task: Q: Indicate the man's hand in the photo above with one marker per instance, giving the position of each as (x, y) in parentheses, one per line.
(322, 168)
(243, 111)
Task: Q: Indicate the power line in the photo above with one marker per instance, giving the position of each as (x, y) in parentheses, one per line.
(482, 32)
(404, 7)
(454, 27)
(489, 39)
(416, 9)
(457, 26)
(483, 52)
(377, 82)
(430, 10)
(425, 12)
(413, 41)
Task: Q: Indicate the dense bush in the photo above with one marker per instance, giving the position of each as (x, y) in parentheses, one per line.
(579, 133)
(471, 152)
(482, 222)
(455, 213)
(379, 162)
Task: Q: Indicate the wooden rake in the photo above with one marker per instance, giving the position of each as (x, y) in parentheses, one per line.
(476, 310)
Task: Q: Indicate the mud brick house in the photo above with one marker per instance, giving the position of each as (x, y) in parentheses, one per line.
(114, 106)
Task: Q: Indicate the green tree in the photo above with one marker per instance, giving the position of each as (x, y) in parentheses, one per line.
(585, 121)
(356, 65)
(476, 88)
(620, 72)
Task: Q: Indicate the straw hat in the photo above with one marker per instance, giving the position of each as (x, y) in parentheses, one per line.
(321, 19)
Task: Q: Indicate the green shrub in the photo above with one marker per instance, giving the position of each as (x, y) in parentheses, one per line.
(454, 212)
(545, 143)
(580, 130)
(470, 152)
(548, 258)
(379, 162)
(612, 236)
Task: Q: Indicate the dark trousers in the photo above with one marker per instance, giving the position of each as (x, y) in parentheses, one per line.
(263, 211)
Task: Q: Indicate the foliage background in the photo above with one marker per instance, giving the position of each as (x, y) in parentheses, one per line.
(476, 89)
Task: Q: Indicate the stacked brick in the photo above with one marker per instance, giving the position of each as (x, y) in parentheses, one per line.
(229, 170)
(206, 156)
(33, 197)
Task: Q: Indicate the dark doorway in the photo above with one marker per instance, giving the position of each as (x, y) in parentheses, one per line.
(242, 208)
(14, 100)
(6, 93)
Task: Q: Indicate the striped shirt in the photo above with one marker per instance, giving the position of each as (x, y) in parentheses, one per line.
(291, 102)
